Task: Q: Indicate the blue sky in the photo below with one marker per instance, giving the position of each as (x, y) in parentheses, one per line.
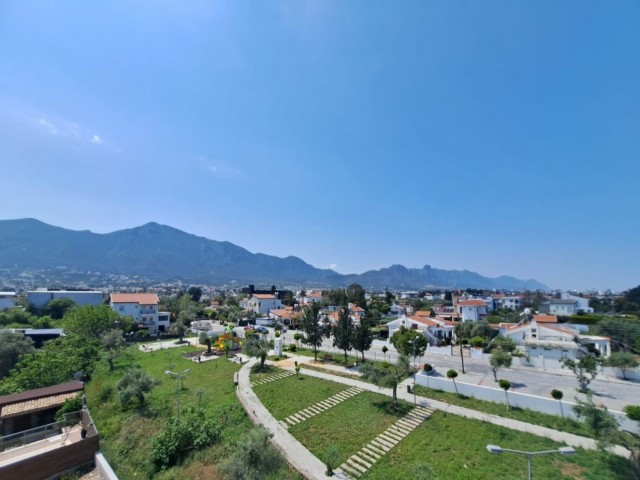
(497, 136)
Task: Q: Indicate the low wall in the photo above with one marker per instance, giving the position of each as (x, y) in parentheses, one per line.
(439, 351)
(516, 399)
(104, 468)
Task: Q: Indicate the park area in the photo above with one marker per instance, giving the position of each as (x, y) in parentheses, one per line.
(444, 446)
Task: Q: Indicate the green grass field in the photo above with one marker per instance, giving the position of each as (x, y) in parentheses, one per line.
(126, 435)
(524, 415)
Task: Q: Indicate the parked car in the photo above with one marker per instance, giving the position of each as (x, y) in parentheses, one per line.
(262, 329)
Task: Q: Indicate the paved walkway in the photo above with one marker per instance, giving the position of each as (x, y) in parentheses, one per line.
(320, 407)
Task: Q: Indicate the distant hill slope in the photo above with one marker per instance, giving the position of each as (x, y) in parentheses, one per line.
(163, 253)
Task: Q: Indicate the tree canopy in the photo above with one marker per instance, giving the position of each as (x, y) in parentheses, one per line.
(343, 332)
(387, 377)
(313, 328)
(91, 322)
(12, 347)
(403, 339)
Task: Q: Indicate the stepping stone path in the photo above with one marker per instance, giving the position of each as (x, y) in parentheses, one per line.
(358, 464)
(320, 407)
(271, 378)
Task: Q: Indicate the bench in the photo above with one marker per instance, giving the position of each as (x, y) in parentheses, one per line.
(327, 357)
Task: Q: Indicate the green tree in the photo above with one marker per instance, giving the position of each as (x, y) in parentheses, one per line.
(356, 295)
(90, 321)
(385, 349)
(314, 330)
(135, 383)
(623, 332)
(362, 337)
(59, 361)
(12, 347)
(622, 360)
(452, 374)
(505, 385)
(403, 339)
(258, 347)
(180, 327)
(557, 395)
(252, 458)
(57, 308)
(499, 359)
(195, 293)
(205, 339)
(194, 430)
(113, 343)
(343, 332)
(585, 369)
(387, 377)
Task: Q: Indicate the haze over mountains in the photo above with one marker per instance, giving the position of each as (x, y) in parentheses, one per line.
(163, 253)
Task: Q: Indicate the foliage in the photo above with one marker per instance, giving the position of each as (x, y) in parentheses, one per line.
(12, 347)
(16, 316)
(476, 341)
(343, 332)
(499, 359)
(91, 321)
(362, 337)
(630, 302)
(633, 412)
(427, 367)
(622, 360)
(113, 343)
(258, 347)
(585, 369)
(330, 456)
(59, 361)
(557, 395)
(356, 295)
(193, 431)
(505, 385)
(135, 383)
(252, 458)
(623, 332)
(387, 377)
(180, 327)
(452, 374)
(506, 344)
(474, 329)
(69, 406)
(57, 308)
(405, 339)
(314, 330)
(194, 293)
(599, 420)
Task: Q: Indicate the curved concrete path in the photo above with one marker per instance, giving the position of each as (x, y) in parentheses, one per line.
(296, 454)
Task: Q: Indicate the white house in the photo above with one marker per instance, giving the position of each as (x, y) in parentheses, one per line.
(513, 303)
(263, 303)
(39, 298)
(472, 310)
(434, 329)
(7, 300)
(582, 303)
(143, 308)
(560, 307)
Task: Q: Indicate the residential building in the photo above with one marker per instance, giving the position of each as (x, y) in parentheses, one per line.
(560, 307)
(7, 300)
(143, 308)
(39, 298)
(512, 303)
(472, 310)
(436, 330)
(263, 303)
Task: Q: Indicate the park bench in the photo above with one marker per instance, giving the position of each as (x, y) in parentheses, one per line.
(327, 357)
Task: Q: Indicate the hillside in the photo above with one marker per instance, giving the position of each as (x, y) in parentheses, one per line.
(163, 253)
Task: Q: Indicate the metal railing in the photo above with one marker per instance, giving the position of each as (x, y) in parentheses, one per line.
(20, 439)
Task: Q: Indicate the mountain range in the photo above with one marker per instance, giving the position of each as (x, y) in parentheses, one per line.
(162, 253)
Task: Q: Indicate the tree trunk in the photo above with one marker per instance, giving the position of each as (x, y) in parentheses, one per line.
(110, 360)
(394, 399)
(345, 359)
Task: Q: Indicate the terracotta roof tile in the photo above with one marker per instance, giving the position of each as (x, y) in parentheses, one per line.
(141, 298)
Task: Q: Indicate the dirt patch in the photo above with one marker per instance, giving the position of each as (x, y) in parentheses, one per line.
(571, 470)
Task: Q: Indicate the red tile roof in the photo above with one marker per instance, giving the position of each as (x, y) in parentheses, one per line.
(141, 298)
(264, 296)
(472, 303)
(545, 318)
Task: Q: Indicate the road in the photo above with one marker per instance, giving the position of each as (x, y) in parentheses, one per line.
(614, 393)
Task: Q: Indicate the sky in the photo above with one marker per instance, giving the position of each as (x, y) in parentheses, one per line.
(500, 137)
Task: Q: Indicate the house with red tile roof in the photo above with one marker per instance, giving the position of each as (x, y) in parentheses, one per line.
(263, 303)
(472, 310)
(143, 308)
(436, 330)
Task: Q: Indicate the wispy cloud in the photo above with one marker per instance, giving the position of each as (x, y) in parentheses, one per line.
(48, 125)
(219, 168)
(333, 266)
(96, 139)
(68, 130)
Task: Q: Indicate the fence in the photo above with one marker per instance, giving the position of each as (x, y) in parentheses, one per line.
(43, 432)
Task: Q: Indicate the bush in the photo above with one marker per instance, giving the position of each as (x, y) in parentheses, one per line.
(477, 342)
(633, 412)
(104, 393)
(293, 348)
(428, 368)
(252, 457)
(69, 406)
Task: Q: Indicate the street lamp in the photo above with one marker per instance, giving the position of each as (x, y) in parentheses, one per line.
(561, 450)
(413, 342)
(180, 376)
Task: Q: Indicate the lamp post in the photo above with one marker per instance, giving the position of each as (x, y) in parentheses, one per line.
(413, 342)
(562, 450)
(180, 376)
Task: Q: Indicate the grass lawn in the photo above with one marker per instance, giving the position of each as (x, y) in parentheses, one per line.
(344, 374)
(126, 435)
(524, 415)
(350, 425)
(455, 448)
(291, 394)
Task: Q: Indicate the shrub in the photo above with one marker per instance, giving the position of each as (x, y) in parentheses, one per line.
(428, 368)
(633, 412)
(71, 405)
(477, 342)
(293, 348)
(104, 393)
